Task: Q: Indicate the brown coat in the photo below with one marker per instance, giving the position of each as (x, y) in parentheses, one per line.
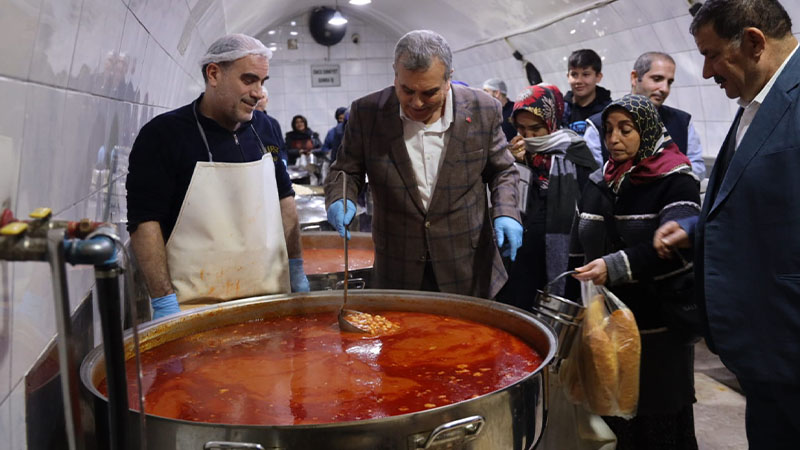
(457, 228)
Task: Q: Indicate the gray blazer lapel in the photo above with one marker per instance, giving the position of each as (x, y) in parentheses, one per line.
(766, 120)
(393, 126)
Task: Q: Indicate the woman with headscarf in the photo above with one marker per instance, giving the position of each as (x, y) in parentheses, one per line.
(301, 139)
(557, 164)
(646, 182)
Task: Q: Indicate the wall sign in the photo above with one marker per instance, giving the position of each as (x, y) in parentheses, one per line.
(325, 76)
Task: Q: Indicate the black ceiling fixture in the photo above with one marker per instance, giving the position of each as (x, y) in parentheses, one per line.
(531, 72)
(323, 32)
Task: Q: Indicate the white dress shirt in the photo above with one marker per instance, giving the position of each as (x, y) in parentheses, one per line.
(425, 145)
(750, 109)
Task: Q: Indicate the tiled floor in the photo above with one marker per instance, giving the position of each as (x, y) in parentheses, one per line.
(719, 411)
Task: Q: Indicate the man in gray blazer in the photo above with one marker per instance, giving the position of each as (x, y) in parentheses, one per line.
(747, 238)
(429, 149)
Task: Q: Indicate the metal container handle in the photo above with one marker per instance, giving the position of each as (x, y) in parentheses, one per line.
(461, 430)
(222, 444)
(546, 290)
(353, 283)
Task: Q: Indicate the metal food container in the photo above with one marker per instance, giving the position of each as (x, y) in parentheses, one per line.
(359, 278)
(509, 418)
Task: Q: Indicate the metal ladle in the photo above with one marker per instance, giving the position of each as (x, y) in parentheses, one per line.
(344, 324)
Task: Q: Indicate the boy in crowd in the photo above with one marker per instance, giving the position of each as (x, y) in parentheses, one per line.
(586, 97)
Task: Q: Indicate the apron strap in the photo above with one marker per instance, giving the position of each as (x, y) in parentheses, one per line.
(202, 133)
(261, 143)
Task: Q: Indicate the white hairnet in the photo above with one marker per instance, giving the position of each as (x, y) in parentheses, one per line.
(496, 84)
(232, 47)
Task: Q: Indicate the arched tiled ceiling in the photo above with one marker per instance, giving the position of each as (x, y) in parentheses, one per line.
(464, 23)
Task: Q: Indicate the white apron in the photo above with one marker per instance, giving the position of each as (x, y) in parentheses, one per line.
(228, 241)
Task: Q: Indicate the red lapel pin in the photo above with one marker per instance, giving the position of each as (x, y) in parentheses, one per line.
(469, 119)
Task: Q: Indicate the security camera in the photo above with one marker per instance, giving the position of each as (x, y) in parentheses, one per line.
(355, 37)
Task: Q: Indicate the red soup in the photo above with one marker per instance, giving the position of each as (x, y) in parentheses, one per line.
(303, 370)
(327, 260)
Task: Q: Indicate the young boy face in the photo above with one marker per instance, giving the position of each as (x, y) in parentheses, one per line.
(582, 80)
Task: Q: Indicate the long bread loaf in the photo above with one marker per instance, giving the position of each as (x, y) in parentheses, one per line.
(625, 335)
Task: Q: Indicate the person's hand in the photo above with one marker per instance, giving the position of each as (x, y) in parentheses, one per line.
(596, 272)
(337, 217)
(164, 306)
(297, 276)
(509, 232)
(668, 237)
(517, 147)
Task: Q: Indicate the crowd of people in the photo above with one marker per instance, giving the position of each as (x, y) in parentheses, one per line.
(609, 188)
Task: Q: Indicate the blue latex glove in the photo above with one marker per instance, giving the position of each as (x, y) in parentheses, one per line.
(297, 276)
(508, 231)
(337, 218)
(164, 306)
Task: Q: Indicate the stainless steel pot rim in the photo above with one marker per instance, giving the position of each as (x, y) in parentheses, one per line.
(554, 316)
(353, 423)
(96, 354)
(561, 299)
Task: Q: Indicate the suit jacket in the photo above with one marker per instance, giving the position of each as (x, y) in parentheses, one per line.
(748, 242)
(456, 229)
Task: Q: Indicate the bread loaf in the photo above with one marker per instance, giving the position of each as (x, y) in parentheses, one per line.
(625, 335)
(599, 371)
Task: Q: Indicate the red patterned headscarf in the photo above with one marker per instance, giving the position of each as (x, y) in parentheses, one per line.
(544, 101)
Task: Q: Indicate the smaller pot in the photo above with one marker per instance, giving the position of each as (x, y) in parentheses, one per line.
(559, 306)
(562, 314)
(358, 279)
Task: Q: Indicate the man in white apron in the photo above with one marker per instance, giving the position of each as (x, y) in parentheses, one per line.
(211, 208)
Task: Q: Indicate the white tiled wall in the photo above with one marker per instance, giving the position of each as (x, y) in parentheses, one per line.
(77, 77)
(365, 67)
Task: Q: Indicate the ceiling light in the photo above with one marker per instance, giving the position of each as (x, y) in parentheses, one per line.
(337, 19)
(293, 23)
(360, 2)
(270, 32)
(293, 33)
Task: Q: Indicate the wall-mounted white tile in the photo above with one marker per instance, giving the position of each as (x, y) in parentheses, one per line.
(645, 40)
(96, 64)
(18, 24)
(131, 59)
(165, 19)
(629, 12)
(715, 136)
(656, 11)
(689, 69)
(14, 95)
(34, 315)
(42, 144)
(55, 41)
(688, 99)
(716, 105)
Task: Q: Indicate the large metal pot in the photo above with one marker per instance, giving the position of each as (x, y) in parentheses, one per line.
(359, 278)
(510, 418)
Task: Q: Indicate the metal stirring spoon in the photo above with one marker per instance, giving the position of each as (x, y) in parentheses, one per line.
(344, 324)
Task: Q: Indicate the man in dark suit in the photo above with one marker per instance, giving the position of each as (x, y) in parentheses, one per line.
(747, 238)
(429, 149)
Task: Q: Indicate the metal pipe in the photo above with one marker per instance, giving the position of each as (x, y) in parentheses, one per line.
(66, 356)
(107, 282)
